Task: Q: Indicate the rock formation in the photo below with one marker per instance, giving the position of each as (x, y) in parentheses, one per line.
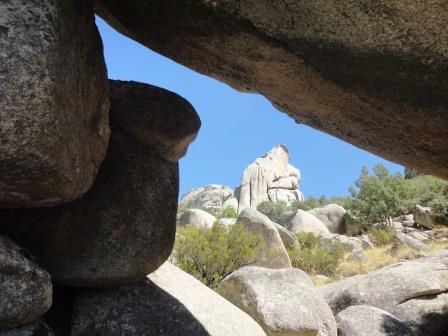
(423, 216)
(269, 178)
(212, 196)
(440, 257)
(283, 302)
(302, 221)
(410, 241)
(96, 205)
(413, 292)
(366, 72)
(410, 173)
(274, 254)
(364, 320)
(54, 102)
(124, 227)
(388, 287)
(198, 218)
(289, 239)
(161, 120)
(36, 328)
(425, 315)
(26, 290)
(332, 215)
(169, 302)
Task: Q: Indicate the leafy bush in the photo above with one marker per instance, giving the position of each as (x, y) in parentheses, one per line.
(426, 188)
(314, 257)
(381, 236)
(312, 203)
(439, 209)
(433, 192)
(212, 254)
(308, 204)
(227, 212)
(377, 197)
(273, 209)
(380, 196)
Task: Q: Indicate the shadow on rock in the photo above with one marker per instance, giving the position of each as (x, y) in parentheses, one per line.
(391, 328)
(141, 309)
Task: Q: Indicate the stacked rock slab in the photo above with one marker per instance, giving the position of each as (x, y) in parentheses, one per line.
(124, 227)
(169, 303)
(25, 288)
(54, 102)
(426, 314)
(367, 72)
(414, 292)
(389, 286)
(269, 178)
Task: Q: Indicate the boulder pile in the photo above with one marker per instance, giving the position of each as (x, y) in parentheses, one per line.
(89, 182)
(283, 302)
(405, 298)
(212, 196)
(270, 178)
(89, 166)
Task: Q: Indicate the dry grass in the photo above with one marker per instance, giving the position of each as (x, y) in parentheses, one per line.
(378, 257)
(436, 246)
(320, 280)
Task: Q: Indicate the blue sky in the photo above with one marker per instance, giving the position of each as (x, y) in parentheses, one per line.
(237, 127)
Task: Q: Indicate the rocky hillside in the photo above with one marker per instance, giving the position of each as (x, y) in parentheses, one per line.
(270, 178)
(391, 272)
(372, 286)
(89, 170)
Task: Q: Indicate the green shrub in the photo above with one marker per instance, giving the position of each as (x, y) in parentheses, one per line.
(212, 254)
(273, 209)
(314, 257)
(313, 203)
(227, 212)
(433, 192)
(377, 197)
(380, 196)
(308, 204)
(439, 209)
(181, 208)
(426, 188)
(381, 236)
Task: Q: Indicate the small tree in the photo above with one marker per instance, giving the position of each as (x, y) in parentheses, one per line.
(380, 196)
(212, 254)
